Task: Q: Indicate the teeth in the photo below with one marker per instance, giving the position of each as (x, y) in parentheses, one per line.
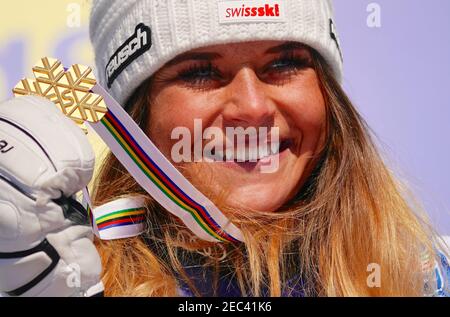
(229, 155)
(241, 155)
(247, 154)
(275, 148)
(263, 151)
(253, 154)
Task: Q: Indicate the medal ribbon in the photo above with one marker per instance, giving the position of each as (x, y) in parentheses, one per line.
(151, 169)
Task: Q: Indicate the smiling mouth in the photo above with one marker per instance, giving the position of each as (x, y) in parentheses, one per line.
(251, 155)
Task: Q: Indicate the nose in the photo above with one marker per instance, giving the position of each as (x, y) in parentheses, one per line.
(247, 101)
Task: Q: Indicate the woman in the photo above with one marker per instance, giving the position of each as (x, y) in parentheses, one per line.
(326, 219)
(320, 223)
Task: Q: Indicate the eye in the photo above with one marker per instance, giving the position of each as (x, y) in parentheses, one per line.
(286, 66)
(200, 75)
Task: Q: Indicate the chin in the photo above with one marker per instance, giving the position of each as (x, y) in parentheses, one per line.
(257, 200)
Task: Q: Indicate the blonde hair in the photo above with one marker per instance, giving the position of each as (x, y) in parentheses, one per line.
(350, 213)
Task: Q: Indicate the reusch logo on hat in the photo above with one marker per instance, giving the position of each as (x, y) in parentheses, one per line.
(251, 11)
(132, 48)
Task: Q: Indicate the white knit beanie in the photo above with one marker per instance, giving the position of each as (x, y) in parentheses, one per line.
(132, 39)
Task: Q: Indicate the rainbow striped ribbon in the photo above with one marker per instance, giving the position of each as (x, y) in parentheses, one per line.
(118, 219)
(151, 169)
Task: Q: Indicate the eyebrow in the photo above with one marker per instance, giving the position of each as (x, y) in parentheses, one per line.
(288, 46)
(201, 56)
(209, 56)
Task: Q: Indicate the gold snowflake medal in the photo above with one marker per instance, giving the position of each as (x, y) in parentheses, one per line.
(69, 89)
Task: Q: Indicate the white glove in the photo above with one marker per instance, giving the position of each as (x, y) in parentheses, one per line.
(46, 244)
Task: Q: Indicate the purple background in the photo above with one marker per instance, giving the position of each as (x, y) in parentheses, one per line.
(399, 78)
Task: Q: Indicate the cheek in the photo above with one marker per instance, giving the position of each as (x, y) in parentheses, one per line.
(304, 108)
(175, 108)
